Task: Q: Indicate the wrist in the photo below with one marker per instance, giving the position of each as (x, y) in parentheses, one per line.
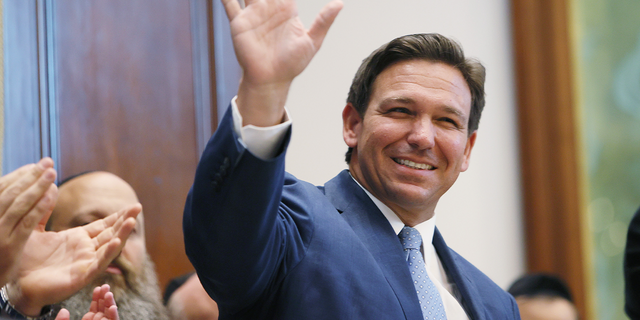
(262, 105)
(20, 302)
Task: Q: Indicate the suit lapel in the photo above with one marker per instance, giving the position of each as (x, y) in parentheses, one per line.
(466, 288)
(378, 237)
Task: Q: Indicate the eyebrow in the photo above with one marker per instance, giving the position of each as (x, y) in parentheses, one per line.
(449, 109)
(402, 100)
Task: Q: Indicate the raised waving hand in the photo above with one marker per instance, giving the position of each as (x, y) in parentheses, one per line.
(273, 47)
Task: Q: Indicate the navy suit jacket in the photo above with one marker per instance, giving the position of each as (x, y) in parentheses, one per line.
(269, 246)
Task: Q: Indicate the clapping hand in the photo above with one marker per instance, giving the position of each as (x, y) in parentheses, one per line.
(27, 196)
(55, 265)
(103, 306)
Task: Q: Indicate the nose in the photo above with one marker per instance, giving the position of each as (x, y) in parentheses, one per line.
(422, 134)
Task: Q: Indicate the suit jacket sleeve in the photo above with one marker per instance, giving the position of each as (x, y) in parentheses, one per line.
(240, 234)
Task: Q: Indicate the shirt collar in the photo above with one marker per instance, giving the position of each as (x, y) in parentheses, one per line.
(426, 228)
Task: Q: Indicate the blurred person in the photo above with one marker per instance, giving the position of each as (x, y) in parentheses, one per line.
(50, 264)
(186, 299)
(90, 196)
(87, 197)
(632, 269)
(543, 297)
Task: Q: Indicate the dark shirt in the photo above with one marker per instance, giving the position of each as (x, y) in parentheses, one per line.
(632, 268)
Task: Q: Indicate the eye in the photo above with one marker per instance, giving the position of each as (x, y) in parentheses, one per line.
(399, 110)
(450, 121)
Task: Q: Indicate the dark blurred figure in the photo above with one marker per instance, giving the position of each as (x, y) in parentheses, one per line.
(186, 299)
(543, 297)
(632, 269)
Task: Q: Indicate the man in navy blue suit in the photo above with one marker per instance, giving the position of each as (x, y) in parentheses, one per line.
(266, 245)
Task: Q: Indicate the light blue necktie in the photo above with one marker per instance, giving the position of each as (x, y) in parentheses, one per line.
(428, 295)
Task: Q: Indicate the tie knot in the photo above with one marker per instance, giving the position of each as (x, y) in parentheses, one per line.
(410, 238)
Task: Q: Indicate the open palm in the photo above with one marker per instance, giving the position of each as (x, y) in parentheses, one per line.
(55, 265)
(271, 43)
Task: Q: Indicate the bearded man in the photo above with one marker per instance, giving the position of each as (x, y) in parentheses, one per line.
(91, 196)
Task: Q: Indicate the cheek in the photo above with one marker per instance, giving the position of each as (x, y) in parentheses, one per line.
(135, 251)
(453, 147)
(382, 135)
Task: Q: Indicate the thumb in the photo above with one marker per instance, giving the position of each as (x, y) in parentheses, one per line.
(53, 193)
(63, 315)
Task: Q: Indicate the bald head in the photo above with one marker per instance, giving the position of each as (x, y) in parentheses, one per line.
(89, 197)
(95, 195)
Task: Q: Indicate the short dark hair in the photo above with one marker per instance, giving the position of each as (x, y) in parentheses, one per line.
(425, 46)
(540, 285)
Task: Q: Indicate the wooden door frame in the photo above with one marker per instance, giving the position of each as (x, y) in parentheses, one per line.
(549, 145)
(30, 22)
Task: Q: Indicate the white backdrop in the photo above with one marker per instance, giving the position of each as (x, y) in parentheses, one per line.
(480, 216)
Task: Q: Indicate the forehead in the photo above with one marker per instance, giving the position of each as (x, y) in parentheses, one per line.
(89, 197)
(423, 77)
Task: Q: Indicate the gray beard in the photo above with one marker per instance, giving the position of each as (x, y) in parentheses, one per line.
(139, 299)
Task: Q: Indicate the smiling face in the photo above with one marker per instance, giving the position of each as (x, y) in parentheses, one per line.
(93, 196)
(413, 140)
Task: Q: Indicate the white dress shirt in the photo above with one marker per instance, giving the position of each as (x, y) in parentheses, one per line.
(263, 143)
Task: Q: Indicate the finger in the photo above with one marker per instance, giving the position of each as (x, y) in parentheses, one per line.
(113, 220)
(95, 298)
(19, 197)
(99, 316)
(17, 174)
(109, 300)
(232, 8)
(323, 22)
(112, 313)
(117, 229)
(13, 176)
(40, 212)
(108, 251)
(63, 314)
(102, 304)
(53, 193)
(88, 316)
(104, 255)
(29, 198)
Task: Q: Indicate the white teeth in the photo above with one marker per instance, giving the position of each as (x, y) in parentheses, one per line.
(413, 165)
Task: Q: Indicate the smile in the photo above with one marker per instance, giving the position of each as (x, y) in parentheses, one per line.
(413, 165)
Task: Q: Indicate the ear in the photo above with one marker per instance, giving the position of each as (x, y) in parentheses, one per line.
(467, 151)
(351, 125)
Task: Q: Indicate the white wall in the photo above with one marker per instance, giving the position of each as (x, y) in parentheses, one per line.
(480, 217)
